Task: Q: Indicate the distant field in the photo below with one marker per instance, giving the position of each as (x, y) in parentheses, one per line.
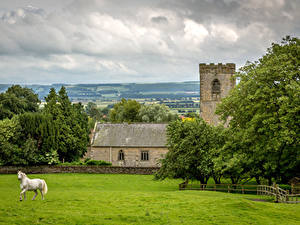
(103, 92)
(133, 199)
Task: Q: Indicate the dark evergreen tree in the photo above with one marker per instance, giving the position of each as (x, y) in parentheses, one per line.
(72, 123)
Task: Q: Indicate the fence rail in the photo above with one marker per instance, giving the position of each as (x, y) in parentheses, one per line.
(279, 194)
(219, 187)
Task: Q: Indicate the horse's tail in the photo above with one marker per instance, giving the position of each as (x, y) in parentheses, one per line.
(45, 188)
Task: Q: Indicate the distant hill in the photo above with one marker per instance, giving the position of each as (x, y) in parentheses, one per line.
(115, 91)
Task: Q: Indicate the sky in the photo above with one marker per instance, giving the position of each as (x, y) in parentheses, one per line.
(140, 41)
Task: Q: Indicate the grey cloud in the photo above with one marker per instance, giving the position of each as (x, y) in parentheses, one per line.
(159, 19)
(137, 40)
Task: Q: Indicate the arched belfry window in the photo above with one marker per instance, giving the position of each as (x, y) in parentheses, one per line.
(121, 155)
(215, 89)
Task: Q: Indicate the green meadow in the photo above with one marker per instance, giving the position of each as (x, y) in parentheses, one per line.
(133, 199)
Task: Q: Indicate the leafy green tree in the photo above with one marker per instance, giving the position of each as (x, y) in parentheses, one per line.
(17, 100)
(191, 144)
(156, 114)
(230, 162)
(265, 112)
(9, 133)
(125, 111)
(93, 111)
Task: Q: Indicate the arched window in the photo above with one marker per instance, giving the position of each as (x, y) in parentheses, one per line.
(144, 155)
(215, 89)
(121, 155)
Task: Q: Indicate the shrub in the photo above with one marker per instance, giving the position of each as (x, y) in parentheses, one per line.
(98, 163)
(74, 163)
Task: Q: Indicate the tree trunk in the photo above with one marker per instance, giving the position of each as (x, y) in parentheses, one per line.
(257, 180)
(270, 181)
(217, 180)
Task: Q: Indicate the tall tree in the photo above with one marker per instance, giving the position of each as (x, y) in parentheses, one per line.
(156, 113)
(72, 123)
(265, 111)
(192, 144)
(125, 111)
(39, 132)
(9, 134)
(93, 111)
(17, 100)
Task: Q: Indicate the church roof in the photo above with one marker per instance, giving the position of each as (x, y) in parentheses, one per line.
(129, 135)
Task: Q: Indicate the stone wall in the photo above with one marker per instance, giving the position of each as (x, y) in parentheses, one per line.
(79, 169)
(208, 101)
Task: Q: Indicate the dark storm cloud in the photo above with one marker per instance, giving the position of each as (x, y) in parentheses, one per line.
(135, 40)
(159, 19)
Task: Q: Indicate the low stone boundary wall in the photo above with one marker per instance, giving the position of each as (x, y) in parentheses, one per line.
(79, 169)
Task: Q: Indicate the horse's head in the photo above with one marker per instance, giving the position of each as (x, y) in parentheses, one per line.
(21, 175)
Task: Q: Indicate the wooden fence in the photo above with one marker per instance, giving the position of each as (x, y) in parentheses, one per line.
(279, 194)
(220, 187)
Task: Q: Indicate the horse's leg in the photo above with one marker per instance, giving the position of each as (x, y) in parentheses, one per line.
(42, 194)
(23, 192)
(35, 191)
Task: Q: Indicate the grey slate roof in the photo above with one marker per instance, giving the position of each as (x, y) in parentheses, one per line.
(129, 135)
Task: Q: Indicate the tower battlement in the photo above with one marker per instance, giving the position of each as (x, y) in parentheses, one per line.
(228, 68)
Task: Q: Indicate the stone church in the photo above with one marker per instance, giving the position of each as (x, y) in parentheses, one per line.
(132, 145)
(142, 145)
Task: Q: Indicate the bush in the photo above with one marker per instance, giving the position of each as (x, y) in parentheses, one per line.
(74, 163)
(98, 163)
(87, 161)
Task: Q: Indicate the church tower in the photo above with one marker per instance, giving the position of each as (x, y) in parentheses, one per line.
(215, 83)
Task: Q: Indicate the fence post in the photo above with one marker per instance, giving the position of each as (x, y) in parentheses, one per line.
(243, 189)
(228, 188)
(277, 193)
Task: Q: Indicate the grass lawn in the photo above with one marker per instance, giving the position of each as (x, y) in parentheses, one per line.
(133, 199)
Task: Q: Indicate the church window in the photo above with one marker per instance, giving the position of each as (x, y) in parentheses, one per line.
(121, 155)
(216, 86)
(144, 155)
(216, 89)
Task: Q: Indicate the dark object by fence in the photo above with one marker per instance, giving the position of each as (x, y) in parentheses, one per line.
(295, 185)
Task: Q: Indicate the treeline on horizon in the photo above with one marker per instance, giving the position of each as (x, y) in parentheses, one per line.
(86, 92)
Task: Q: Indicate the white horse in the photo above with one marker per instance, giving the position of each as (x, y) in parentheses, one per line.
(31, 185)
